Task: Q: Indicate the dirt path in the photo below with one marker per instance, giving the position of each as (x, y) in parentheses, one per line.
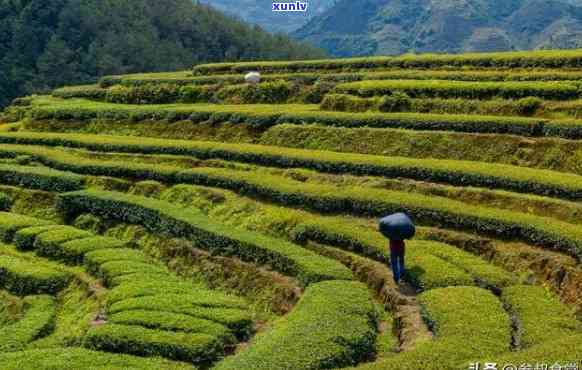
(400, 300)
(410, 327)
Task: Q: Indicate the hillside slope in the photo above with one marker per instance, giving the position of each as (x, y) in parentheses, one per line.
(184, 220)
(44, 44)
(370, 27)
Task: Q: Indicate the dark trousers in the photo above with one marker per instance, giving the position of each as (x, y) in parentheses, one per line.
(397, 262)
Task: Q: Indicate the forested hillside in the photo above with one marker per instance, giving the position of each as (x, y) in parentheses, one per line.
(382, 27)
(47, 43)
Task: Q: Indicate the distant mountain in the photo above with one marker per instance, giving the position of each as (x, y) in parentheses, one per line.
(373, 27)
(260, 12)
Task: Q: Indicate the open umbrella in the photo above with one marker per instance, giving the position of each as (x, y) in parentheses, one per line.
(397, 226)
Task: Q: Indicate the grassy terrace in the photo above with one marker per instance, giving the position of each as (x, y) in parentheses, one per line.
(265, 116)
(186, 77)
(198, 339)
(427, 260)
(245, 235)
(542, 231)
(333, 325)
(459, 173)
(469, 323)
(463, 89)
(326, 198)
(161, 217)
(545, 153)
(520, 59)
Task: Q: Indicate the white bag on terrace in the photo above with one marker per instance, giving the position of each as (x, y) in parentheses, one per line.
(253, 77)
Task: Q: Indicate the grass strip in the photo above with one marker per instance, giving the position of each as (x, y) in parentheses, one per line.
(24, 238)
(113, 269)
(236, 319)
(515, 59)
(454, 172)
(485, 273)
(148, 288)
(541, 315)
(38, 321)
(80, 358)
(73, 252)
(553, 90)
(172, 322)
(135, 260)
(48, 244)
(468, 323)
(135, 340)
(23, 277)
(426, 271)
(163, 217)
(195, 297)
(145, 277)
(10, 223)
(333, 325)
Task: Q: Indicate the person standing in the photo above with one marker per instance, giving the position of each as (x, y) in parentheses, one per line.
(397, 251)
(397, 227)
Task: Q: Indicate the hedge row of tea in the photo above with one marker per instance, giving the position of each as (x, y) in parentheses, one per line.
(315, 205)
(401, 102)
(214, 318)
(462, 89)
(161, 217)
(521, 59)
(188, 78)
(266, 116)
(458, 173)
(541, 231)
(151, 313)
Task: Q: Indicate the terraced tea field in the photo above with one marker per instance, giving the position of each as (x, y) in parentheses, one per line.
(188, 220)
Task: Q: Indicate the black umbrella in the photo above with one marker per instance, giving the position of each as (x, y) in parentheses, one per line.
(397, 227)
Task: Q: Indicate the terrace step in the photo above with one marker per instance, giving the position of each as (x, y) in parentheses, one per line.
(510, 60)
(194, 225)
(80, 358)
(469, 322)
(264, 116)
(135, 340)
(38, 320)
(156, 332)
(22, 277)
(333, 325)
